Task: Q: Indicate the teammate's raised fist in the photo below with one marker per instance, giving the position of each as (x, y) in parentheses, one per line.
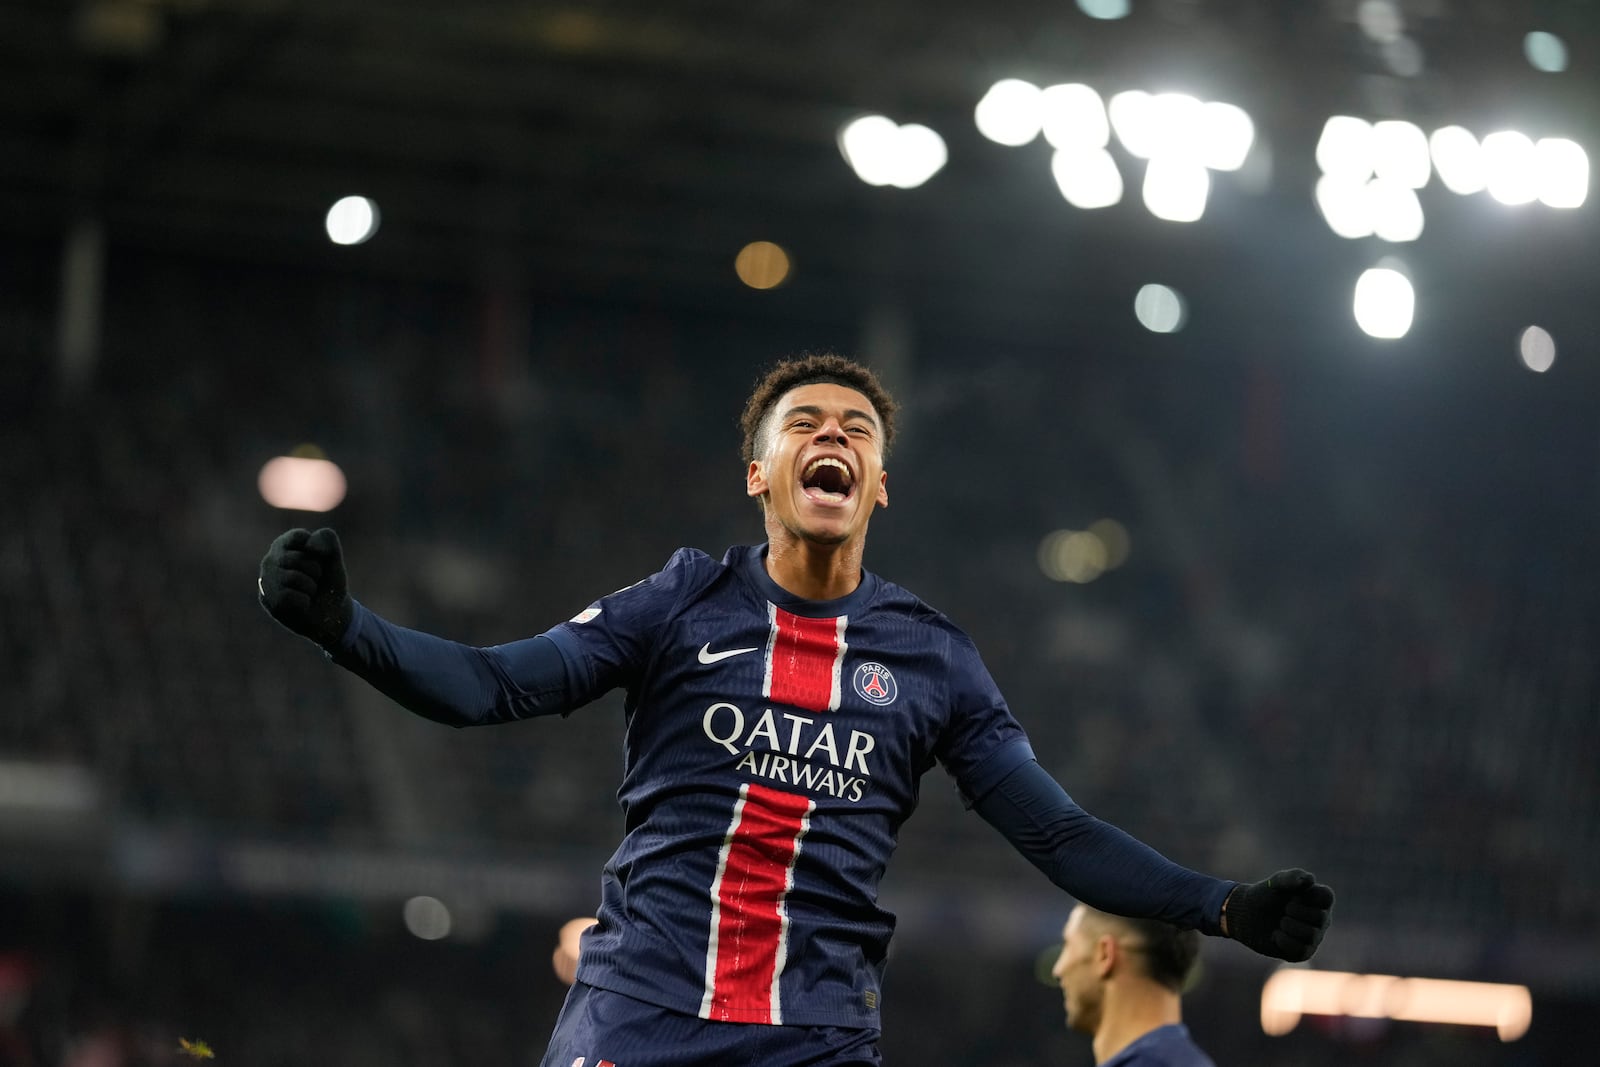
(302, 584)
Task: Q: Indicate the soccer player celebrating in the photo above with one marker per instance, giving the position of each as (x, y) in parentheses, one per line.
(782, 704)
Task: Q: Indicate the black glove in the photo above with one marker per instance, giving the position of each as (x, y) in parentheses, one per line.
(303, 586)
(1284, 916)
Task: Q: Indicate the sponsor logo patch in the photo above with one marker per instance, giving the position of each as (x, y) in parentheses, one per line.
(874, 684)
(587, 613)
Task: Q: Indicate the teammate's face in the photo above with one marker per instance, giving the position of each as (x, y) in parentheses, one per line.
(821, 468)
(1076, 973)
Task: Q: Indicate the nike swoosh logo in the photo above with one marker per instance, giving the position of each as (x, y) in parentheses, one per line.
(708, 656)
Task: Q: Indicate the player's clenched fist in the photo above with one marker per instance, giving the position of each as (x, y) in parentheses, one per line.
(303, 586)
(1283, 916)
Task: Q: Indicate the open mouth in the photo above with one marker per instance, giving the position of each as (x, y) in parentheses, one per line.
(827, 480)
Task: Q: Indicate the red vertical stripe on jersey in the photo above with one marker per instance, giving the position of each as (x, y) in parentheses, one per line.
(749, 921)
(803, 659)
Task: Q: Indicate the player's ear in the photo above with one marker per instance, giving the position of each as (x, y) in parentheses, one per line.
(755, 479)
(883, 489)
(1105, 954)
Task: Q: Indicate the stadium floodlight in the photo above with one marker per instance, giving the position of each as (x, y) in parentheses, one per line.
(1179, 128)
(1400, 153)
(1346, 147)
(303, 482)
(1510, 167)
(1292, 992)
(351, 220)
(1159, 308)
(1394, 209)
(1077, 556)
(1545, 52)
(762, 265)
(1226, 134)
(1563, 172)
(1345, 205)
(1384, 303)
(1176, 189)
(1011, 112)
(883, 153)
(1380, 20)
(1074, 116)
(1458, 157)
(1537, 349)
(427, 918)
(1114, 536)
(1087, 177)
(1133, 119)
(1105, 9)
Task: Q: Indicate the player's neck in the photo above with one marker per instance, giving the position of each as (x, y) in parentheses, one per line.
(811, 570)
(1126, 1018)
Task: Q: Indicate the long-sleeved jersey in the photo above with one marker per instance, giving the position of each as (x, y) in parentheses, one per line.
(774, 747)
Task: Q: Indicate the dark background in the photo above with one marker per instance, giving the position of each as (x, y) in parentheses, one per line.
(1356, 632)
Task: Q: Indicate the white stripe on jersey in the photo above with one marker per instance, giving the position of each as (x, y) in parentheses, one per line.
(783, 916)
(716, 904)
(838, 665)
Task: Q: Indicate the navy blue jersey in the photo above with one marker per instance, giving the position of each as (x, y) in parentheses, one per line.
(1165, 1046)
(774, 747)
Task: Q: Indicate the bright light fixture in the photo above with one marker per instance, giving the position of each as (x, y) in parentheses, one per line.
(884, 153)
(1226, 135)
(1394, 209)
(1011, 112)
(1176, 190)
(1087, 177)
(1537, 348)
(1563, 172)
(1545, 52)
(1074, 116)
(1346, 147)
(1458, 158)
(1292, 992)
(1509, 162)
(1400, 153)
(1159, 309)
(351, 220)
(301, 483)
(1384, 303)
(1345, 205)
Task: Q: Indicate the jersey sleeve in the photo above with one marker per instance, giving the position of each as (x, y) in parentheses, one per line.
(982, 741)
(1100, 864)
(450, 682)
(609, 643)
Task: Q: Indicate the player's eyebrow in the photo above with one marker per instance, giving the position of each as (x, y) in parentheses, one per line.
(816, 412)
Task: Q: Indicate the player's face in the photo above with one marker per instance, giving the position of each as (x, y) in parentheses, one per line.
(822, 468)
(1075, 974)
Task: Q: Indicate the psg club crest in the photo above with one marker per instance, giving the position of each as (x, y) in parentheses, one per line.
(875, 684)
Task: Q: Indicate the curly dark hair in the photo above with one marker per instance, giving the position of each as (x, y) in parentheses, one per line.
(809, 368)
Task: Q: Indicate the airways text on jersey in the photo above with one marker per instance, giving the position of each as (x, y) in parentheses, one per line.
(801, 668)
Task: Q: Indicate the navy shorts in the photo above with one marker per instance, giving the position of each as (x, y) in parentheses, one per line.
(599, 1028)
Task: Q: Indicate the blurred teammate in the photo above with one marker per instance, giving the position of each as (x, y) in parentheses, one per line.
(782, 705)
(1122, 981)
(564, 957)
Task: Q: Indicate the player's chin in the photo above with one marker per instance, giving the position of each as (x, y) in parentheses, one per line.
(826, 535)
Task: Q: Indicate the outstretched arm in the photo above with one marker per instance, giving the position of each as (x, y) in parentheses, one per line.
(303, 586)
(1283, 916)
